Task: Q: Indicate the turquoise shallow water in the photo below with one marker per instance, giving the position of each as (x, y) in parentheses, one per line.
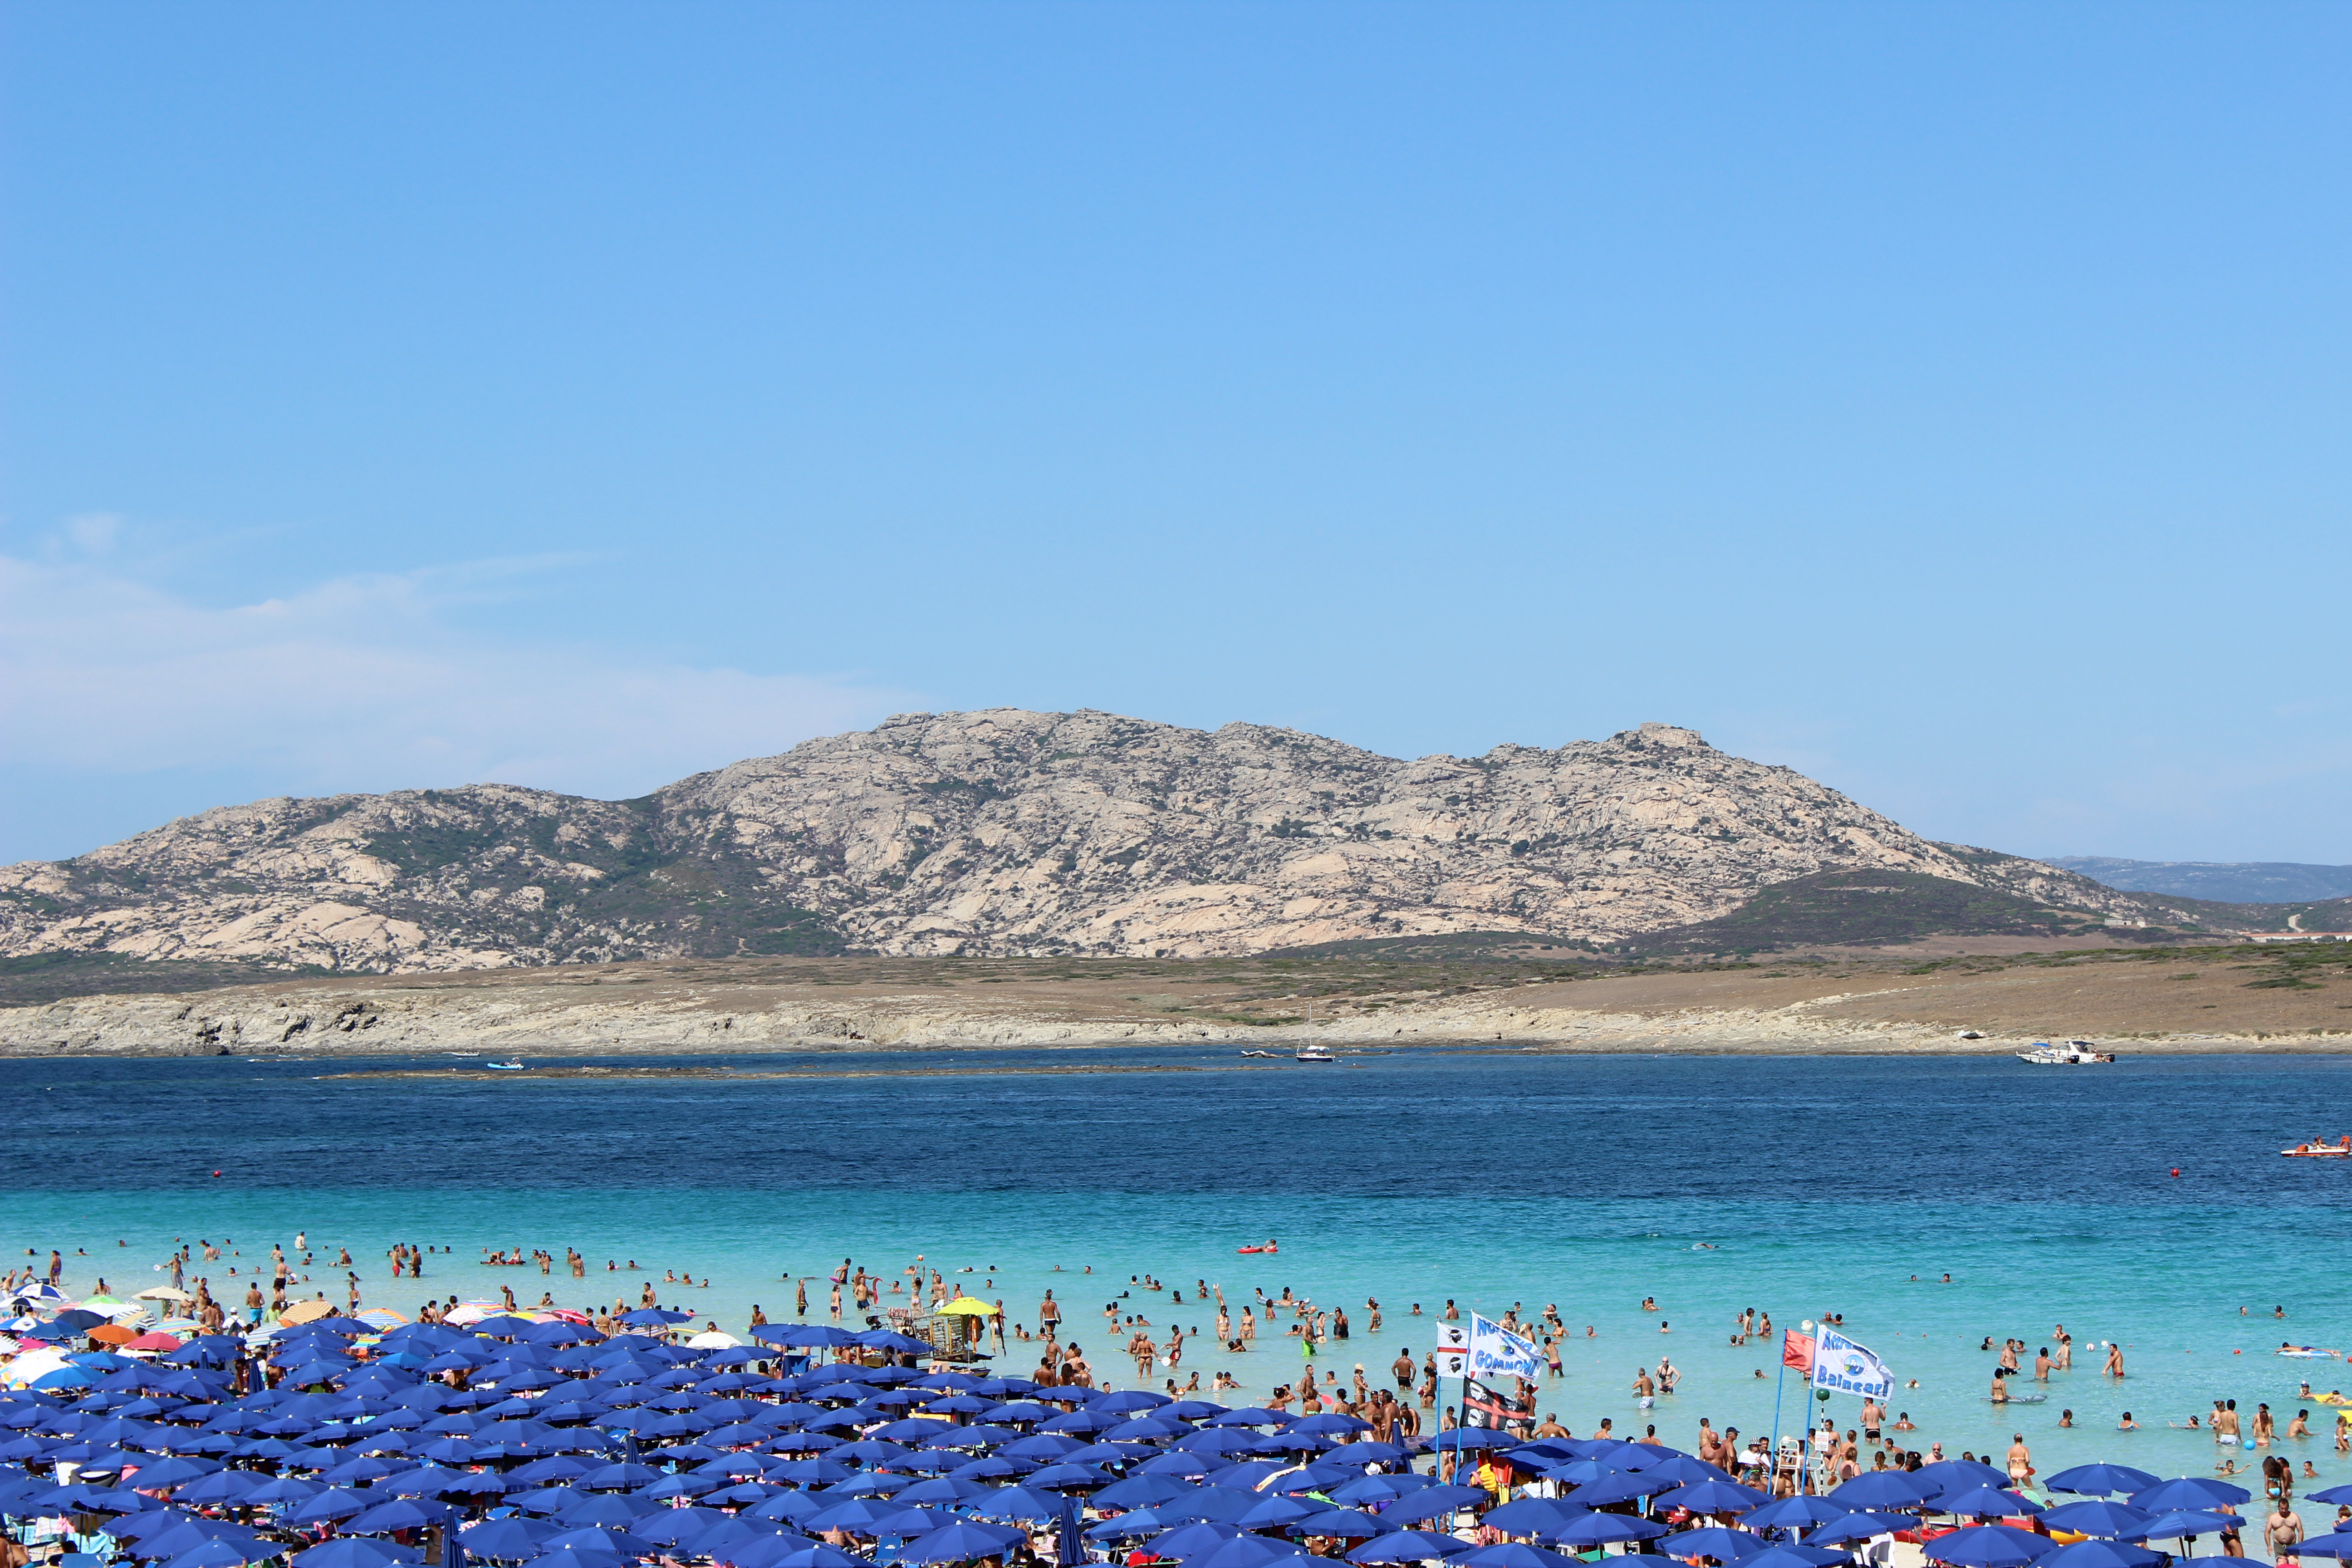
(1822, 1184)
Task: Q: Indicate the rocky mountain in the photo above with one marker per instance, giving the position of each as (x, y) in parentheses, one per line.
(1001, 832)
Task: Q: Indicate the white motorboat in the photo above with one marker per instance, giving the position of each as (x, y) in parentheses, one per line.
(515, 1066)
(2072, 1054)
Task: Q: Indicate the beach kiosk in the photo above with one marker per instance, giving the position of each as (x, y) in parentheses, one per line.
(956, 1329)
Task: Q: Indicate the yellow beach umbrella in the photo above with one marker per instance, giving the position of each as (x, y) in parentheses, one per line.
(969, 1307)
(305, 1312)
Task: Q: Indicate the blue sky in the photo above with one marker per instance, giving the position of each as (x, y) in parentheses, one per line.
(1947, 400)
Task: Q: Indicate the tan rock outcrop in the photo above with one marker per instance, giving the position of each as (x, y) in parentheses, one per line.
(996, 832)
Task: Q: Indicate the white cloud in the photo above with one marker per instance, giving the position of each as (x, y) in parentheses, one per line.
(94, 532)
(361, 683)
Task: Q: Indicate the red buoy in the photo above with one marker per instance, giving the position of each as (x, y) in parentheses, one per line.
(2175, 1170)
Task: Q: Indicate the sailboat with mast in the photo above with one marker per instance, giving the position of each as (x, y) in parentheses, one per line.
(1314, 1050)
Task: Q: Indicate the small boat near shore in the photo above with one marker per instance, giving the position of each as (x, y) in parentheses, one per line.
(1314, 1050)
(515, 1066)
(2072, 1054)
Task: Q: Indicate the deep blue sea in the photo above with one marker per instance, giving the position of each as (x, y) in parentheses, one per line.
(1796, 1185)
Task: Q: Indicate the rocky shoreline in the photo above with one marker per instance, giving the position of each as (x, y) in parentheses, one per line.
(344, 1020)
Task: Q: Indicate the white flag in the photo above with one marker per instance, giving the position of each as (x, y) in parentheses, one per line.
(1453, 1353)
(1845, 1367)
(1495, 1352)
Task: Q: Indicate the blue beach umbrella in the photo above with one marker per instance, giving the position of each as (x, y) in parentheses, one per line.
(872, 1483)
(1140, 1491)
(1530, 1515)
(945, 1491)
(1625, 1488)
(1708, 1497)
(604, 1511)
(1955, 1475)
(1134, 1524)
(513, 1540)
(227, 1553)
(1881, 1489)
(1714, 1540)
(820, 1555)
(222, 1487)
(1069, 1550)
(860, 1516)
(400, 1513)
(1797, 1513)
(1054, 1477)
(1278, 1511)
(1339, 1524)
(910, 1522)
(1408, 1546)
(1514, 1554)
(1795, 1557)
(963, 1542)
(2100, 1480)
(1433, 1503)
(1369, 1491)
(2182, 1524)
(2100, 1515)
(1245, 1551)
(1187, 1540)
(1858, 1527)
(140, 1526)
(187, 1532)
(2100, 1555)
(336, 1502)
(676, 1526)
(355, 1552)
(1989, 1546)
(166, 1474)
(2188, 1492)
(719, 1540)
(1988, 1502)
(788, 1508)
(618, 1543)
(762, 1551)
(1021, 1503)
(1600, 1529)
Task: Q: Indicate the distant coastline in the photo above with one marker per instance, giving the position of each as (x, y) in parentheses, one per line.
(2217, 1000)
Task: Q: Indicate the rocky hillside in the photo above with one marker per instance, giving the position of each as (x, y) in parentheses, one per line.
(999, 832)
